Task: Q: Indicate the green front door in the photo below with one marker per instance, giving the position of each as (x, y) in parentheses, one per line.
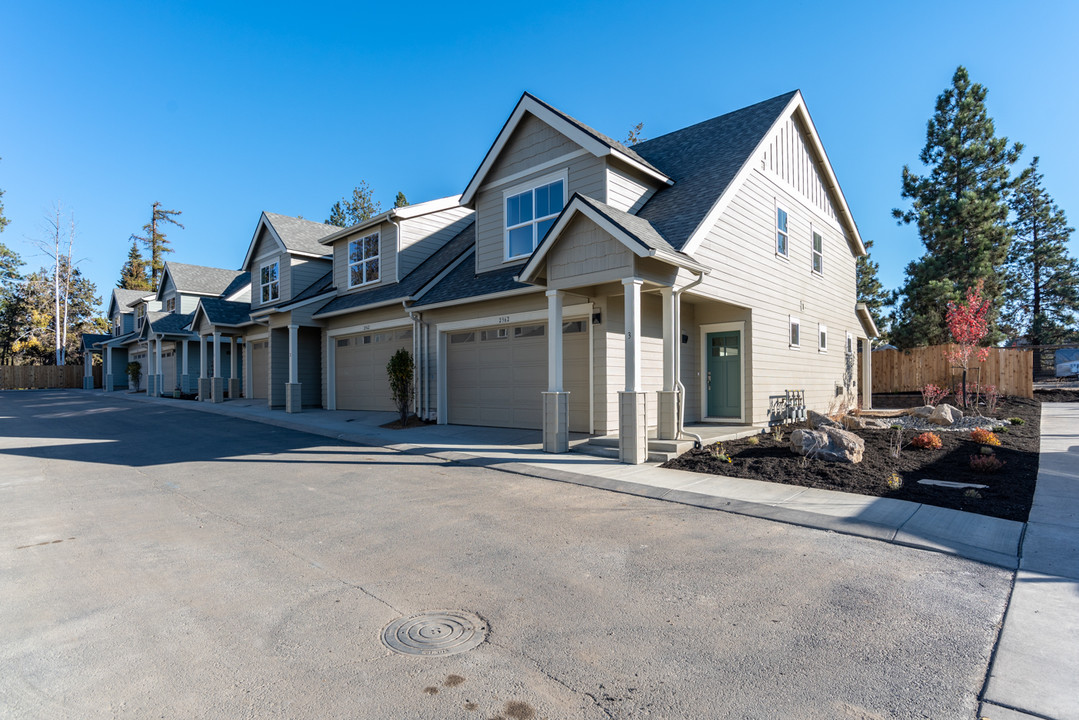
(724, 379)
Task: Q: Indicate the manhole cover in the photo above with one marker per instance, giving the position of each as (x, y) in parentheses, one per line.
(443, 632)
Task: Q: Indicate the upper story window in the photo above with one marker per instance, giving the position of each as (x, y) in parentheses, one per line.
(818, 253)
(140, 313)
(530, 214)
(170, 305)
(781, 231)
(115, 327)
(269, 282)
(363, 260)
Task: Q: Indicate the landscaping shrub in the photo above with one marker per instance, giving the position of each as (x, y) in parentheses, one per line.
(985, 463)
(932, 395)
(400, 370)
(753, 440)
(985, 437)
(894, 481)
(134, 371)
(1017, 421)
(927, 441)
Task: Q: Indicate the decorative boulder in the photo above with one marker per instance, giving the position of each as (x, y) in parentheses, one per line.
(853, 422)
(945, 414)
(923, 412)
(818, 420)
(828, 443)
(874, 424)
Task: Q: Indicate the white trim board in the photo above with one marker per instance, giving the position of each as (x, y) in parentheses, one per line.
(740, 326)
(512, 318)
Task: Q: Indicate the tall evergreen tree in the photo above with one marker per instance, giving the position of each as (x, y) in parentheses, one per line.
(346, 213)
(133, 274)
(156, 242)
(870, 291)
(400, 201)
(3, 220)
(1042, 301)
(961, 211)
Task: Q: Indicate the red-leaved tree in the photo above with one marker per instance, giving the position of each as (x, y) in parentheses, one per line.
(968, 324)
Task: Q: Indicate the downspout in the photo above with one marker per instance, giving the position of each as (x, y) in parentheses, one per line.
(677, 300)
(419, 360)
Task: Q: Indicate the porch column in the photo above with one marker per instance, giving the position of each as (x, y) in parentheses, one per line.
(88, 370)
(204, 379)
(867, 374)
(632, 403)
(234, 377)
(293, 399)
(106, 380)
(217, 388)
(555, 400)
(185, 372)
(157, 368)
(668, 397)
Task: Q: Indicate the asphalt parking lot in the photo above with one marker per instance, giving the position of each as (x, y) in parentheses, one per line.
(158, 562)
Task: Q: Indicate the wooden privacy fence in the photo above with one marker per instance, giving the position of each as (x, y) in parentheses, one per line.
(38, 377)
(1011, 370)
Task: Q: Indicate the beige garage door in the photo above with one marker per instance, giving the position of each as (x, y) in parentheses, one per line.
(360, 380)
(260, 369)
(168, 371)
(495, 376)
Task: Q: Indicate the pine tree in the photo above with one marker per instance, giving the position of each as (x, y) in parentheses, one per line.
(400, 201)
(1042, 301)
(133, 273)
(156, 242)
(3, 220)
(961, 211)
(346, 213)
(870, 291)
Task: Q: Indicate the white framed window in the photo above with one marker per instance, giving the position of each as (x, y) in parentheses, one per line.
(170, 305)
(140, 313)
(850, 344)
(817, 250)
(822, 338)
(795, 332)
(364, 262)
(782, 233)
(115, 327)
(269, 282)
(530, 212)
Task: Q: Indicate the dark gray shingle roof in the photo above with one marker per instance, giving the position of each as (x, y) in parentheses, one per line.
(124, 297)
(166, 322)
(226, 312)
(323, 285)
(207, 280)
(301, 235)
(90, 339)
(636, 227)
(412, 283)
(702, 160)
(463, 282)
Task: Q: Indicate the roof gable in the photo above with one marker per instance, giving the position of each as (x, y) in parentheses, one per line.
(122, 298)
(292, 235)
(201, 280)
(582, 135)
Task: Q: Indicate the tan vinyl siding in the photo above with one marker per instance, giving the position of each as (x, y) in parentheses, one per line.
(305, 271)
(423, 235)
(625, 192)
(586, 175)
(387, 234)
(583, 249)
(283, 276)
(651, 353)
(778, 288)
(533, 142)
(788, 158)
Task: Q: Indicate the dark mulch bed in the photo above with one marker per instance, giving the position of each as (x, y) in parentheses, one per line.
(1057, 395)
(1008, 496)
(412, 422)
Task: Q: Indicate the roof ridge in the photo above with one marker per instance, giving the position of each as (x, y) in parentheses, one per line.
(787, 95)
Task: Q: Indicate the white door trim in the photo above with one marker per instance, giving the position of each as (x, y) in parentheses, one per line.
(582, 309)
(740, 326)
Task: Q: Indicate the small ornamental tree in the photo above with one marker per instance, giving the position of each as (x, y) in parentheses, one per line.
(134, 371)
(969, 324)
(400, 370)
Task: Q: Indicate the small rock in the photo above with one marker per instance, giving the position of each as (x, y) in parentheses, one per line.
(828, 443)
(818, 420)
(923, 412)
(853, 422)
(874, 424)
(945, 414)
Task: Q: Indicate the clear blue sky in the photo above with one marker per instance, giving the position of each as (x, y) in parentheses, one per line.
(223, 109)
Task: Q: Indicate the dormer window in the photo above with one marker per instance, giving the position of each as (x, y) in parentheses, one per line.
(115, 328)
(140, 313)
(363, 260)
(530, 214)
(269, 283)
(170, 305)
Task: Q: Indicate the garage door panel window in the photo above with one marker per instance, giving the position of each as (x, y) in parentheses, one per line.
(458, 338)
(496, 334)
(363, 261)
(527, 331)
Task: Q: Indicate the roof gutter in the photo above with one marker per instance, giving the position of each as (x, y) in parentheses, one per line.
(362, 308)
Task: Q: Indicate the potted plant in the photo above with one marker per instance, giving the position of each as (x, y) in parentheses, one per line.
(134, 371)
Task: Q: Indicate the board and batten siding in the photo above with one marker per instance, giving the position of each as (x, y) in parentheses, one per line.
(422, 236)
(532, 143)
(743, 243)
(625, 192)
(387, 255)
(787, 157)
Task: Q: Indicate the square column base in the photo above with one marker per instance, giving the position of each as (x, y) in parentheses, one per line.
(633, 427)
(87, 382)
(234, 388)
(106, 381)
(217, 389)
(151, 385)
(556, 422)
(667, 412)
(204, 389)
(293, 401)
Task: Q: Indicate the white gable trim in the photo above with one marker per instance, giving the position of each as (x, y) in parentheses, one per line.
(866, 319)
(529, 104)
(796, 107)
(263, 223)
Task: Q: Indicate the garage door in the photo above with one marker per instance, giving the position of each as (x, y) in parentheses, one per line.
(168, 371)
(495, 376)
(140, 358)
(360, 380)
(260, 369)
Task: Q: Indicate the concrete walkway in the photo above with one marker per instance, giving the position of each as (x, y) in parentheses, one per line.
(1035, 672)
(1036, 665)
